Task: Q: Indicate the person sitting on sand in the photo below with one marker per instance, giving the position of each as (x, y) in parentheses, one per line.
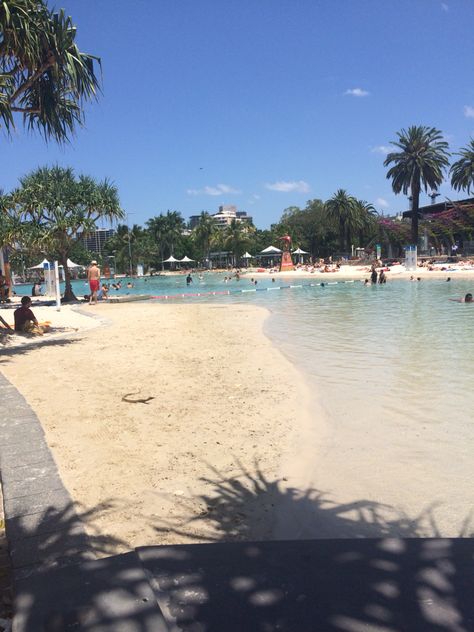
(25, 320)
(105, 290)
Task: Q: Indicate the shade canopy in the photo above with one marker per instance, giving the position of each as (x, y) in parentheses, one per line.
(171, 260)
(40, 266)
(186, 259)
(269, 250)
(71, 264)
(298, 251)
(247, 256)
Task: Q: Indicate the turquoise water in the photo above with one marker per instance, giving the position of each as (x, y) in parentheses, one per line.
(392, 368)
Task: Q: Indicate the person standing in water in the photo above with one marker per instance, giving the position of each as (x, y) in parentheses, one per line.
(373, 275)
(189, 279)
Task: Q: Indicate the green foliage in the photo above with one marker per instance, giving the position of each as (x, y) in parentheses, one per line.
(462, 171)
(53, 209)
(43, 74)
(420, 163)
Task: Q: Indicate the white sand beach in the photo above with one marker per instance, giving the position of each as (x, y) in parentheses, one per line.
(199, 458)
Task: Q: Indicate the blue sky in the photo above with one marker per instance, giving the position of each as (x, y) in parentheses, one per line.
(259, 103)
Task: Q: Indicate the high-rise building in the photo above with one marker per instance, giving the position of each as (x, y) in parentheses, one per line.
(224, 216)
(95, 240)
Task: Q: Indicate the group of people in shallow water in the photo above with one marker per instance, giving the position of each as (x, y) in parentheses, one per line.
(376, 278)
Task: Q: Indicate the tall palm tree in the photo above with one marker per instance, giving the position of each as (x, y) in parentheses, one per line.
(344, 213)
(62, 209)
(367, 220)
(174, 229)
(462, 171)
(236, 239)
(421, 161)
(43, 74)
(158, 227)
(204, 232)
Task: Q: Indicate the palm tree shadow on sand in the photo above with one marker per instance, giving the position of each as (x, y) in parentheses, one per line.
(248, 506)
(347, 567)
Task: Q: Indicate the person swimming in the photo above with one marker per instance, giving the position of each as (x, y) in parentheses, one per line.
(468, 298)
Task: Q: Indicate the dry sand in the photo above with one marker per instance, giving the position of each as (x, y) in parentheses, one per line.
(204, 458)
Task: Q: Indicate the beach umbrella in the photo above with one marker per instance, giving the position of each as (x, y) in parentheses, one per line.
(247, 256)
(171, 259)
(186, 259)
(270, 250)
(300, 252)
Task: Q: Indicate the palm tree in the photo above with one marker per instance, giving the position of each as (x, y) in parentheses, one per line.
(62, 209)
(367, 219)
(344, 213)
(422, 158)
(204, 232)
(236, 239)
(462, 171)
(174, 229)
(158, 227)
(43, 74)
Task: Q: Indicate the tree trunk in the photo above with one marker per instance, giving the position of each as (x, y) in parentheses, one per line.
(68, 293)
(415, 193)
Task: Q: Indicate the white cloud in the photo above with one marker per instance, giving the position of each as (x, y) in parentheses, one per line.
(381, 149)
(220, 189)
(285, 186)
(254, 197)
(381, 202)
(469, 111)
(357, 92)
(445, 7)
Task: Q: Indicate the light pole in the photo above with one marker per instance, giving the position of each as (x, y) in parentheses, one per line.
(129, 245)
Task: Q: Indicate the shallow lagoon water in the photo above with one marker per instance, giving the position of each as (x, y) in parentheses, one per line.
(392, 367)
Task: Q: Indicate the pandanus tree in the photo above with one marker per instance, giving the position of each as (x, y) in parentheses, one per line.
(61, 209)
(419, 164)
(462, 171)
(43, 75)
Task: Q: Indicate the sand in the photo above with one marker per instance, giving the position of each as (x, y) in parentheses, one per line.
(202, 457)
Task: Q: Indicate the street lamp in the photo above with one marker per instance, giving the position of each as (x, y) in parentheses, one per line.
(129, 245)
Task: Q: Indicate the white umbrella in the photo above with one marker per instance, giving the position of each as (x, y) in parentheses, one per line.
(247, 256)
(71, 264)
(171, 260)
(270, 250)
(186, 259)
(298, 251)
(40, 266)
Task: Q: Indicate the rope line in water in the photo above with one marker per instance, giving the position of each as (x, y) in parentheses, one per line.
(255, 289)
